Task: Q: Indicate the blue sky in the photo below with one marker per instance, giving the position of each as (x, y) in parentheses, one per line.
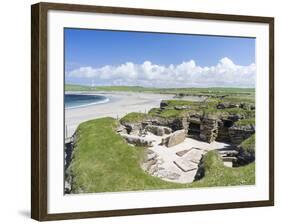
(152, 59)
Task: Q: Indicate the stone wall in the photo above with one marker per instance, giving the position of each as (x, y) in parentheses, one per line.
(133, 128)
(209, 129)
(158, 130)
(239, 134)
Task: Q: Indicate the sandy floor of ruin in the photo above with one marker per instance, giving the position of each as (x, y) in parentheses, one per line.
(166, 157)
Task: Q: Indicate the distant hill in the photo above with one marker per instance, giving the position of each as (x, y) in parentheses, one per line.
(72, 87)
(185, 91)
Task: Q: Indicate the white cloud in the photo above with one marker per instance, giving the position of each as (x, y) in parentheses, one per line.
(186, 74)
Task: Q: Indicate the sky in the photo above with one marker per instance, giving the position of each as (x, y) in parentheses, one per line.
(102, 57)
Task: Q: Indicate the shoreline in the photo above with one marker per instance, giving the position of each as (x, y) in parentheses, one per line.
(89, 104)
(120, 104)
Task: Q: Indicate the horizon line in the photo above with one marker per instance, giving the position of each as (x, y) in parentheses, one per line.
(85, 85)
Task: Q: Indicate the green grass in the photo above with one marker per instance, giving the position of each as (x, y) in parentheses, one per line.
(72, 87)
(104, 162)
(249, 144)
(248, 114)
(173, 103)
(244, 122)
(167, 113)
(134, 117)
(208, 108)
(170, 112)
(239, 111)
(216, 174)
(239, 99)
(187, 91)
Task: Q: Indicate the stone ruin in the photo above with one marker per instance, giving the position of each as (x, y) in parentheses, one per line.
(204, 128)
(173, 131)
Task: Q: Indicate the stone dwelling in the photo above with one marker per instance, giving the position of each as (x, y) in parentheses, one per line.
(205, 128)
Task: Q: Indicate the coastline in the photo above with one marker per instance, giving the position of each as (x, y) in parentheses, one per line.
(120, 104)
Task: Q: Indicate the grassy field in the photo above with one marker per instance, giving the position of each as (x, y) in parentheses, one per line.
(201, 108)
(244, 122)
(134, 117)
(249, 144)
(246, 92)
(104, 162)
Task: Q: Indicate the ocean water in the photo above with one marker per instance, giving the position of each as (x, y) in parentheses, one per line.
(82, 100)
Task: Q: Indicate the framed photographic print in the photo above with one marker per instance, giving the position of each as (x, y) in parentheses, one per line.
(140, 111)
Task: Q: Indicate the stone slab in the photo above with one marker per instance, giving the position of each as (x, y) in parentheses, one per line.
(182, 152)
(228, 164)
(176, 138)
(185, 165)
(195, 155)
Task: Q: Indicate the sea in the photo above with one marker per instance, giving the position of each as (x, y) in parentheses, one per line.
(82, 100)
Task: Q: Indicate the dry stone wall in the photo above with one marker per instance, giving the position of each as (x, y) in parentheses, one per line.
(239, 134)
(209, 129)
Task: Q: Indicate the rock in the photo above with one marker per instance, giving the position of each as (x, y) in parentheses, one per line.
(176, 138)
(239, 134)
(121, 129)
(158, 130)
(136, 140)
(163, 104)
(227, 105)
(235, 117)
(147, 165)
(194, 155)
(133, 128)
(245, 106)
(182, 107)
(226, 152)
(165, 140)
(209, 129)
(182, 152)
(153, 169)
(168, 175)
(244, 157)
(232, 105)
(229, 159)
(167, 130)
(151, 156)
(185, 165)
(195, 120)
(228, 163)
(172, 176)
(185, 123)
(221, 106)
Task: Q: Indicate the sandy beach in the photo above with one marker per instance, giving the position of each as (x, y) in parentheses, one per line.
(119, 104)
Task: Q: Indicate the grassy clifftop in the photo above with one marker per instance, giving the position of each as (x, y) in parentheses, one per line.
(103, 162)
(134, 117)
